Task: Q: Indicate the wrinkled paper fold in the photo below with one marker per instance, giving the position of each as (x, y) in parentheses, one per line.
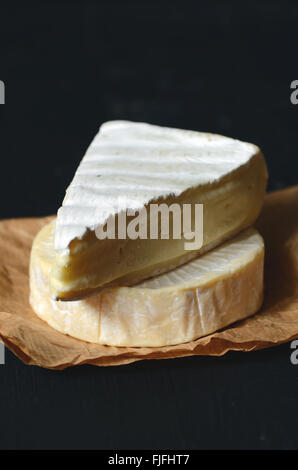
(36, 343)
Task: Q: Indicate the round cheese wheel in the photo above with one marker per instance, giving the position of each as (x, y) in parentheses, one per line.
(193, 300)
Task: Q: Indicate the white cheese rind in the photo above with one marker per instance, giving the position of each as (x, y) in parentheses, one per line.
(196, 299)
(129, 165)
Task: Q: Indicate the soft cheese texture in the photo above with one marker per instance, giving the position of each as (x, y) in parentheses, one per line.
(135, 163)
(198, 298)
(130, 165)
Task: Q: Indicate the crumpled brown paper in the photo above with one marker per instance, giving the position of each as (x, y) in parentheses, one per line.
(34, 342)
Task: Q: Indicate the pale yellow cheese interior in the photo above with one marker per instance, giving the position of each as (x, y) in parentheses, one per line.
(230, 205)
(193, 300)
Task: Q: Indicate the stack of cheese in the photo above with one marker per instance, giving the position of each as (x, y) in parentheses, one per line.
(153, 292)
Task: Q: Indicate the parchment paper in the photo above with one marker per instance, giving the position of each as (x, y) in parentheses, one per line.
(34, 342)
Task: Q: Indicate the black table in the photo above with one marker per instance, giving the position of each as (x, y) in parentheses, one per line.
(218, 66)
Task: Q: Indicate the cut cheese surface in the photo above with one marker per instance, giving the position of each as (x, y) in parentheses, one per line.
(193, 300)
(132, 165)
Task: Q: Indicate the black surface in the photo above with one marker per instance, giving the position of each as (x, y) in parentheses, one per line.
(218, 66)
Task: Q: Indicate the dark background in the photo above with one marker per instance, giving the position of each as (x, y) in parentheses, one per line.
(219, 66)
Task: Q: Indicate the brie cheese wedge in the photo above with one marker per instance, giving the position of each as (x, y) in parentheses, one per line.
(130, 166)
(194, 300)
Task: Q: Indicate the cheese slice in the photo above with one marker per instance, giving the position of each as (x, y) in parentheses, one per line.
(198, 298)
(133, 165)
